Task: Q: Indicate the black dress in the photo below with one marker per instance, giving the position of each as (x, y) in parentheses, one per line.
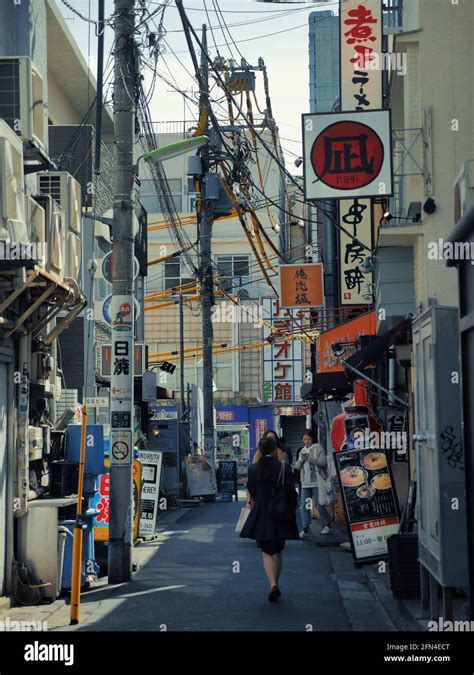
(269, 534)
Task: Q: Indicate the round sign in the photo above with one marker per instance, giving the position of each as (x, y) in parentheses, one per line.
(347, 155)
(108, 266)
(120, 450)
(124, 308)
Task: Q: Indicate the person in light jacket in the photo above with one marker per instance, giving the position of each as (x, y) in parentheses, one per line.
(311, 459)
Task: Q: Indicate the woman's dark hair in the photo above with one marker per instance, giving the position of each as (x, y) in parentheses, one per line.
(312, 433)
(272, 431)
(266, 446)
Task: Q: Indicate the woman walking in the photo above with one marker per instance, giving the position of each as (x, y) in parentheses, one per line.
(311, 460)
(282, 455)
(270, 532)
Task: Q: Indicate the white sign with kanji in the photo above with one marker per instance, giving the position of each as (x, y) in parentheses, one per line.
(361, 54)
(283, 371)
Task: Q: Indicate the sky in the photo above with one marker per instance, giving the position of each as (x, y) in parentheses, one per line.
(277, 33)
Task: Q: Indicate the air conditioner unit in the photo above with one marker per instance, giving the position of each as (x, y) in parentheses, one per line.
(73, 256)
(12, 195)
(36, 224)
(23, 99)
(66, 191)
(17, 232)
(57, 241)
(47, 204)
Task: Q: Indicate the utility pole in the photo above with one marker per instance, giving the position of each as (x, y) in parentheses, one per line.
(183, 411)
(122, 309)
(206, 266)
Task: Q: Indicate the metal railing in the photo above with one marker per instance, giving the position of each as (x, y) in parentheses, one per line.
(392, 13)
(407, 163)
(173, 126)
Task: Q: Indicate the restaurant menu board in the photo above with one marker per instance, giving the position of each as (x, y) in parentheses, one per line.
(227, 477)
(370, 501)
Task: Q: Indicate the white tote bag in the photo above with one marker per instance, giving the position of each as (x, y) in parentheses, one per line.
(244, 514)
(327, 491)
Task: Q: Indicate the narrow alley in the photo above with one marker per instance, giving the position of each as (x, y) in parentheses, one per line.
(203, 577)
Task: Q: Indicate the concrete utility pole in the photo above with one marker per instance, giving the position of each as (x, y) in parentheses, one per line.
(206, 267)
(183, 412)
(122, 309)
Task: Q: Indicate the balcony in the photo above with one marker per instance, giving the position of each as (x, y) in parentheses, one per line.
(405, 205)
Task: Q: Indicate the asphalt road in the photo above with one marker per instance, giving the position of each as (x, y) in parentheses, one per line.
(203, 577)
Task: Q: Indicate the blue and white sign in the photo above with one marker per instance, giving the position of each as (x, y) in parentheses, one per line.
(282, 360)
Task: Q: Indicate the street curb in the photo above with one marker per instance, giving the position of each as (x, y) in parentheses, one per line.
(397, 612)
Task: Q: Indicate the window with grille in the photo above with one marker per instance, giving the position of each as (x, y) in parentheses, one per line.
(151, 201)
(176, 273)
(233, 270)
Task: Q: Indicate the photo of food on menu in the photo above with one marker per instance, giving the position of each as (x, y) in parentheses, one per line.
(366, 484)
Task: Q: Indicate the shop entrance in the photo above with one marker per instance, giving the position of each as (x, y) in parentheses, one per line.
(292, 430)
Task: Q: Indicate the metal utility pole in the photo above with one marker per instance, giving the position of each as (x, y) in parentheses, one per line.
(206, 267)
(122, 305)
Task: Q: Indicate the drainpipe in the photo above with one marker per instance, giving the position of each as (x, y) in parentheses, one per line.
(11, 480)
(23, 458)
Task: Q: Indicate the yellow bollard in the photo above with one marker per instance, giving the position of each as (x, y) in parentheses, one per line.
(78, 531)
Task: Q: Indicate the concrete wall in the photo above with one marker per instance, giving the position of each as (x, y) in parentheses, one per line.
(21, 29)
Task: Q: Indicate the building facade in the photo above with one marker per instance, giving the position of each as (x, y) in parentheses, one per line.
(45, 85)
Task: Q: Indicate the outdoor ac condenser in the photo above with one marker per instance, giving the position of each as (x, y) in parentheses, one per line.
(36, 225)
(66, 191)
(57, 241)
(12, 195)
(23, 99)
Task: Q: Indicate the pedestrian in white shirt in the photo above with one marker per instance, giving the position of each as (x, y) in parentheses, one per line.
(311, 459)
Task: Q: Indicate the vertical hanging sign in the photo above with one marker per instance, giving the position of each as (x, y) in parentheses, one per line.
(361, 89)
(361, 54)
(355, 215)
(121, 389)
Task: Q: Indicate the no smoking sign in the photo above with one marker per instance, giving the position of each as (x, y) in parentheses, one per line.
(121, 447)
